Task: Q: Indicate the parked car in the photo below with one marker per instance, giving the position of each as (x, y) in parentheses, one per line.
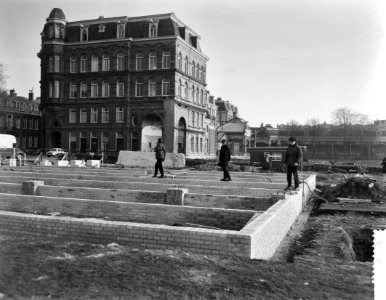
(56, 152)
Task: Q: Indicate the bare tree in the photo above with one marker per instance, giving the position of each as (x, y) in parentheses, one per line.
(314, 131)
(345, 118)
(292, 125)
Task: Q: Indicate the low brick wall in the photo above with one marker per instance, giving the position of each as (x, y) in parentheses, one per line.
(229, 219)
(12, 188)
(229, 201)
(196, 240)
(147, 159)
(268, 229)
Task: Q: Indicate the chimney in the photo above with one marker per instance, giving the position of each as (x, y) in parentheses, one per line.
(31, 95)
(12, 93)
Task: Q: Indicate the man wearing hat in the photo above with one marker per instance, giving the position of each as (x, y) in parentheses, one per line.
(160, 153)
(293, 158)
(225, 157)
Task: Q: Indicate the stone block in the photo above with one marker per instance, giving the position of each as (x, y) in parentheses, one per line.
(30, 187)
(12, 162)
(61, 163)
(77, 163)
(93, 163)
(175, 196)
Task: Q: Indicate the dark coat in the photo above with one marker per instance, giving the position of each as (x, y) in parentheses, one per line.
(293, 155)
(160, 151)
(225, 154)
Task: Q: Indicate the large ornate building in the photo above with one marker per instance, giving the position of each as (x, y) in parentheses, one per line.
(109, 84)
(21, 117)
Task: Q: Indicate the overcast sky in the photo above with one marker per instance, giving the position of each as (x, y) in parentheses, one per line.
(275, 60)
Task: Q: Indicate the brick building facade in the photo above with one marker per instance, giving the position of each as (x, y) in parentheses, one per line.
(21, 117)
(109, 84)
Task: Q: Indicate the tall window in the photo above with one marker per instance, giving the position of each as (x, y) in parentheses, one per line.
(120, 62)
(193, 69)
(192, 144)
(152, 61)
(53, 89)
(201, 145)
(72, 90)
(94, 89)
(83, 64)
(138, 89)
(186, 91)
(72, 115)
(165, 87)
(196, 144)
(94, 64)
(186, 65)
(94, 115)
(83, 115)
(196, 95)
(152, 88)
(179, 84)
(119, 115)
(83, 90)
(17, 122)
(180, 61)
(153, 29)
(36, 124)
(166, 60)
(202, 121)
(105, 63)
(105, 89)
(84, 34)
(193, 93)
(120, 31)
(139, 61)
(193, 119)
(201, 97)
(197, 76)
(54, 63)
(120, 88)
(105, 115)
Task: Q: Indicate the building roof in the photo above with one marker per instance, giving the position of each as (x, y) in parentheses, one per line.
(57, 13)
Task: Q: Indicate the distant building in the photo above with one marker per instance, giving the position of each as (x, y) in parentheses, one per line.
(21, 117)
(109, 84)
(237, 133)
(226, 111)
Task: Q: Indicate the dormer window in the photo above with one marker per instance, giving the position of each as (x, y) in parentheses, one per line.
(102, 28)
(84, 34)
(120, 31)
(153, 29)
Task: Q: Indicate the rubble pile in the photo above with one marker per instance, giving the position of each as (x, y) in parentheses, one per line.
(355, 188)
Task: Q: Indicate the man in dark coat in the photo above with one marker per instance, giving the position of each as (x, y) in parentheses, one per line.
(293, 158)
(225, 157)
(160, 154)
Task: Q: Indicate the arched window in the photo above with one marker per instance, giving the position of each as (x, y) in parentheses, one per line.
(186, 65)
(153, 29)
(139, 61)
(83, 89)
(186, 91)
(73, 64)
(196, 95)
(105, 63)
(94, 63)
(193, 93)
(94, 89)
(179, 86)
(120, 61)
(180, 61)
(120, 92)
(165, 87)
(73, 89)
(201, 97)
(197, 72)
(165, 60)
(83, 64)
(105, 89)
(152, 88)
(193, 69)
(152, 61)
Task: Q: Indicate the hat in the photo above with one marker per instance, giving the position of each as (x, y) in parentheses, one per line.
(159, 140)
(223, 140)
(292, 139)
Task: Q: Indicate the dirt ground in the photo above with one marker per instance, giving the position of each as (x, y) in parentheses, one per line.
(325, 256)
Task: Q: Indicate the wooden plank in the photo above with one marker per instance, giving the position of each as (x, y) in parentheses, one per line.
(362, 208)
(350, 200)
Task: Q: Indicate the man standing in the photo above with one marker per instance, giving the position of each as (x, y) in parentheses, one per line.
(225, 157)
(160, 154)
(293, 159)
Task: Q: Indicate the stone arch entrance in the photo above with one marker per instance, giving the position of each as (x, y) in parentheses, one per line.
(181, 136)
(151, 132)
(56, 139)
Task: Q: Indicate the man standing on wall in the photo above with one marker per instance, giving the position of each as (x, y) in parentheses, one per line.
(293, 159)
(160, 154)
(225, 157)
